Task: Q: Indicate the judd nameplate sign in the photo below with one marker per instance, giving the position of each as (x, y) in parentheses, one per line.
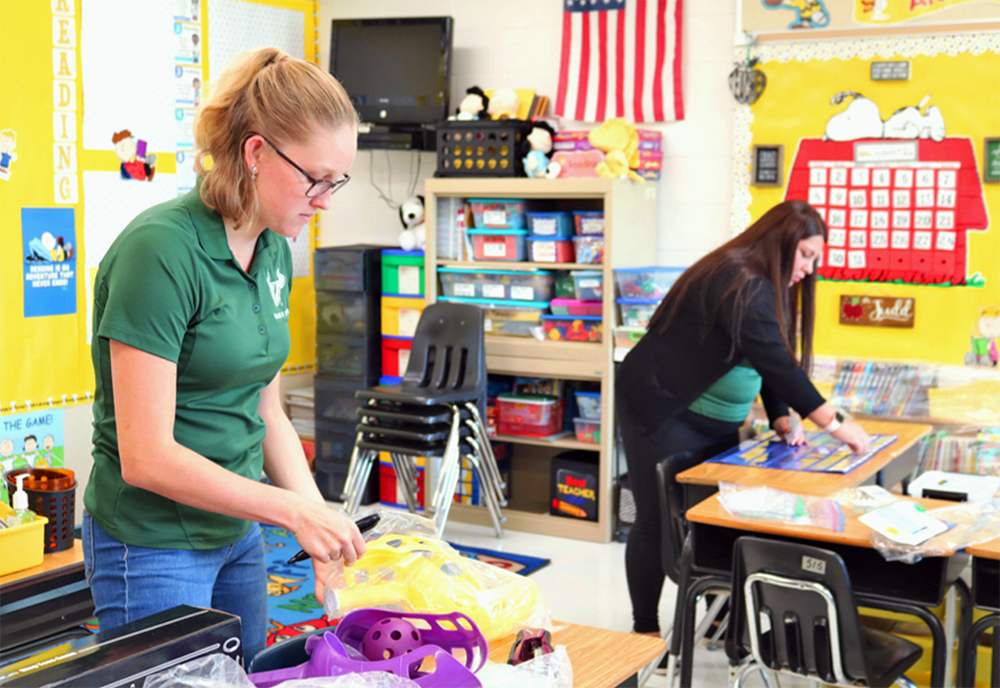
(876, 311)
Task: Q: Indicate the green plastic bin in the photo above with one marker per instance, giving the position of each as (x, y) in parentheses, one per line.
(402, 272)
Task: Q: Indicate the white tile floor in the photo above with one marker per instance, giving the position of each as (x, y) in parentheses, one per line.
(585, 584)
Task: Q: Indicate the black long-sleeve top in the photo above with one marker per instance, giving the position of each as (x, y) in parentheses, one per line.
(666, 372)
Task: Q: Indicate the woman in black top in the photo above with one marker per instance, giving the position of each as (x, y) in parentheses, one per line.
(747, 306)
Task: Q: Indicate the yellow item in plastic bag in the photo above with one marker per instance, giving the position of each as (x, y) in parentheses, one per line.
(418, 574)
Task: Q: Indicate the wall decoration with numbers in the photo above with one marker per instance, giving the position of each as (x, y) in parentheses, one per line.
(896, 210)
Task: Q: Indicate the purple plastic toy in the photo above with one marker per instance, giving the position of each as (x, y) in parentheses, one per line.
(390, 638)
(441, 635)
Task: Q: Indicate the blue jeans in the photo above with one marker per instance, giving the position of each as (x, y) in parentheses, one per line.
(130, 582)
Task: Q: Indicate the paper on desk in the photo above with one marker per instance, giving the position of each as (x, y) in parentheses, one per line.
(904, 522)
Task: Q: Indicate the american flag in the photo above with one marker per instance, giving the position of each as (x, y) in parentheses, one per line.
(621, 58)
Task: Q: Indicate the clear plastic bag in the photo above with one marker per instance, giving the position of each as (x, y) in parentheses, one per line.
(407, 567)
(971, 523)
(769, 503)
(861, 500)
(221, 671)
(553, 670)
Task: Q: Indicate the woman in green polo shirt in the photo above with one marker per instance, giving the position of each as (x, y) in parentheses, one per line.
(190, 334)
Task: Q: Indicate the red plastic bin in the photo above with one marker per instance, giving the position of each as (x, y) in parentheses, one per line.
(395, 355)
(551, 250)
(501, 244)
(529, 415)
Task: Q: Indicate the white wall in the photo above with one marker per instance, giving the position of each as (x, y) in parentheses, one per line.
(516, 43)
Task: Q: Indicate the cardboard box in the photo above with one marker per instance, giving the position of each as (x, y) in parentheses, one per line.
(126, 655)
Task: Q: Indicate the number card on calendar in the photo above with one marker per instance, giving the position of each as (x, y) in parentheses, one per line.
(902, 218)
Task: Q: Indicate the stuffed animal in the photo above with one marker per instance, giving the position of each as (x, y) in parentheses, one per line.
(620, 142)
(474, 106)
(504, 104)
(411, 214)
(536, 160)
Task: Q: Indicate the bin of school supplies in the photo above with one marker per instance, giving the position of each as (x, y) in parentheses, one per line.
(564, 286)
(509, 318)
(335, 441)
(23, 546)
(400, 314)
(51, 493)
(589, 249)
(646, 283)
(550, 250)
(589, 404)
(575, 307)
(529, 415)
(558, 225)
(333, 398)
(497, 213)
(588, 285)
(498, 244)
(402, 272)
(588, 222)
(573, 485)
(588, 430)
(348, 356)
(569, 328)
(637, 312)
(343, 312)
(513, 285)
(395, 355)
(347, 268)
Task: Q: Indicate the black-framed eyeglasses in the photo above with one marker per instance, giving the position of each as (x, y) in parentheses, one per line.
(317, 187)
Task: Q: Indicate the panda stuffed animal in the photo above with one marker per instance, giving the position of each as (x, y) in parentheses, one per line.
(411, 214)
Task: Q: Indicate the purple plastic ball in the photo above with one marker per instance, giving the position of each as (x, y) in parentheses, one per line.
(390, 638)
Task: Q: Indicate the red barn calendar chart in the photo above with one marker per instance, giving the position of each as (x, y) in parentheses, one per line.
(896, 209)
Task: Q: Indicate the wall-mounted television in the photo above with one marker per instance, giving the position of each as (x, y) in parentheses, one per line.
(397, 71)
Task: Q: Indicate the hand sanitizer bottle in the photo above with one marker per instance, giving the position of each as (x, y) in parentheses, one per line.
(22, 514)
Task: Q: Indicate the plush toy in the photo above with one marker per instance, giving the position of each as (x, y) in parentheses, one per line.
(504, 104)
(411, 214)
(474, 106)
(620, 142)
(539, 145)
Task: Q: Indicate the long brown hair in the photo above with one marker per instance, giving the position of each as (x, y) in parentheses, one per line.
(766, 249)
(268, 92)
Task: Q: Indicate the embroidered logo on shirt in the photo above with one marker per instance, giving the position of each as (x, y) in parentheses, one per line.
(276, 285)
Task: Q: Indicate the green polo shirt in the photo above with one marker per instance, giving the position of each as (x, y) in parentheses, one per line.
(732, 395)
(169, 285)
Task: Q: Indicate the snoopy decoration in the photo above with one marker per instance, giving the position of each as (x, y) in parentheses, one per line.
(411, 214)
(862, 120)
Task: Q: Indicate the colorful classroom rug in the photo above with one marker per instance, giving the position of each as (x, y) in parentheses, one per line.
(292, 608)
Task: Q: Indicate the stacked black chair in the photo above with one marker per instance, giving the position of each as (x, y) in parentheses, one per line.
(986, 596)
(436, 412)
(794, 612)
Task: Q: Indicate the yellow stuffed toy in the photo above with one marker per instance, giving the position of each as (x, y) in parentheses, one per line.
(620, 142)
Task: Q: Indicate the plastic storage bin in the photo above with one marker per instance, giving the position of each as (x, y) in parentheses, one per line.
(23, 546)
(395, 355)
(402, 272)
(646, 283)
(343, 312)
(588, 430)
(627, 337)
(335, 441)
(481, 148)
(588, 285)
(588, 222)
(490, 244)
(558, 225)
(637, 312)
(509, 318)
(575, 307)
(546, 250)
(497, 213)
(349, 355)
(348, 268)
(589, 404)
(400, 314)
(529, 415)
(589, 249)
(514, 285)
(333, 398)
(581, 328)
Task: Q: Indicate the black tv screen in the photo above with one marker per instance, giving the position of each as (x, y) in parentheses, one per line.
(397, 71)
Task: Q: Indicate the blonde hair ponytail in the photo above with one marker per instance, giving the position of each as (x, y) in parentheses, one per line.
(265, 92)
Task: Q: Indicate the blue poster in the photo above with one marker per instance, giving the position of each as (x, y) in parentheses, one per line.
(49, 261)
(31, 440)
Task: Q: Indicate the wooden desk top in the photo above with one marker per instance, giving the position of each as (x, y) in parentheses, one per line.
(986, 550)
(806, 482)
(600, 657)
(52, 564)
(855, 533)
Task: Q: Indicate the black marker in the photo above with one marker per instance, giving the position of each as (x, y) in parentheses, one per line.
(364, 525)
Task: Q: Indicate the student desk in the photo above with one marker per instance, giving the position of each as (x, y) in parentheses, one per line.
(884, 467)
(907, 588)
(986, 595)
(601, 658)
(46, 599)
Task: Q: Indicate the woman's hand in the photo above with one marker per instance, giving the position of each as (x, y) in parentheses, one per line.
(327, 535)
(853, 435)
(791, 433)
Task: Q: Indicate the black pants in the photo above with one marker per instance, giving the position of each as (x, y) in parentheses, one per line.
(691, 432)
